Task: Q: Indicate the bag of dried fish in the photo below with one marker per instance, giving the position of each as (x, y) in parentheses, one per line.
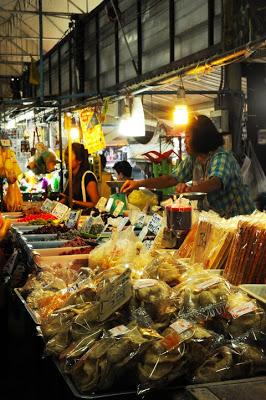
(183, 347)
(243, 318)
(234, 361)
(157, 299)
(203, 295)
(110, 357)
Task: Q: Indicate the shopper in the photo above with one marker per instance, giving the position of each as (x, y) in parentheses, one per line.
(123, 170)
(84, 181)
(211, 169)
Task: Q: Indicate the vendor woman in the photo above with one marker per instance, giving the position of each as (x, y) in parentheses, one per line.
(211, 169)
(84, 181)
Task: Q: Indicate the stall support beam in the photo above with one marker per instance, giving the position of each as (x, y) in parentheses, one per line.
(139, 29)
(97, 43)
(60, 147)
(211, 15)
(41, 51)
(116, 49)
(172, 29)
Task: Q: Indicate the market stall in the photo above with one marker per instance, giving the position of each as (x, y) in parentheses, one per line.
(125, 315)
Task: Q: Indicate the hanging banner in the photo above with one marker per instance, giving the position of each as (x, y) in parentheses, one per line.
(93, 137)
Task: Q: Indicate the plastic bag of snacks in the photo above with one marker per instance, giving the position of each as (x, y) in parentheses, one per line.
(13, 198)
(203, 294)
(44, 161)
(121, 248)
(142, 198)
(234, 361)
(111, 357)
(243, 318)
(183, 347)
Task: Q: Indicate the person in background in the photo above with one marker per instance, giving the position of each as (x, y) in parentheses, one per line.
(105, 190)
(211, 168)
(123, 170)
(84, 185)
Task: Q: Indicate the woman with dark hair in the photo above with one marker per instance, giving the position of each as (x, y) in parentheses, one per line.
(84, 181)
(211, 169)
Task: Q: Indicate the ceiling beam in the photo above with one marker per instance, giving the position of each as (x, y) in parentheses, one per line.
(19, 55)
(45, 13)
(10, 62)
(29, 37)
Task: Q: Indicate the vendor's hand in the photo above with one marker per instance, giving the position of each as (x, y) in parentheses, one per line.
(129, 186)
(182, 188)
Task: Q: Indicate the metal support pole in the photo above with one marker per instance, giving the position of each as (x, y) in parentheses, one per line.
(70, 174)
(41, 51)
(60, 147)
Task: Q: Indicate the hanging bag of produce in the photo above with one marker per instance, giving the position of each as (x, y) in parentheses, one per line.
(13, 197)
(44, 160)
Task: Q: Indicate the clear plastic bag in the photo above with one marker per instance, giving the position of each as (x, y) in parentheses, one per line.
(203, 295)
(233, 361)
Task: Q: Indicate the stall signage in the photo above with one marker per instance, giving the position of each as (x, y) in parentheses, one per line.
(122, 224)
(143, 233)
(155, 224)
(73, 219)
(87, 224)
(140, 221)
(48, 206)
(119, 208)
(114, 295)
(109, 204)
(148, 244)
(101, 204)
(60, 211)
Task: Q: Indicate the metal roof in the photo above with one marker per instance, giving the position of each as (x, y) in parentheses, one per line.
(19, 28)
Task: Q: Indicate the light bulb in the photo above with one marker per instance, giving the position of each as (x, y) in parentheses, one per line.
(181, 114)
(74, 133)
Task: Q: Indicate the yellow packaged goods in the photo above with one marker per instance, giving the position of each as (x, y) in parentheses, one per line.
(142, 198)
(13, 198)
(9, 167)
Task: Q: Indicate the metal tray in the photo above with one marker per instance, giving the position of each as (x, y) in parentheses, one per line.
(28, 309)
(40, 237)
(48, 244)
(194, 195)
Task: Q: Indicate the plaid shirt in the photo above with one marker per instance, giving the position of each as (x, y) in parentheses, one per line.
(233, 198)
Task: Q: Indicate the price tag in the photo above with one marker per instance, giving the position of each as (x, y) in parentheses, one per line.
(140, 221)
(119, 208)
(101, 204)
(114, 295)
(5, 143)
(87, 224)
(148, 244)
(242, 309)
(122, 224)
(48, 206)
(143, 233)
(143, 283)
(155, 224)
(73, 219)
(60, 211)
(109, 205)
(208, 283)
(118, 330)
(181, 325)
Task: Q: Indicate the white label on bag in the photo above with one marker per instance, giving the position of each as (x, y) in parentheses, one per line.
(181, 325)
(101, 204)
(242, 309)
(109, 204)
(60, 211)
(118, 330)
(87, 224)
(148, 244)
(5, 143)
(140, 220)
(119, 208)
(143, 283)
(208, 283)
(122, 224)
(155, 224)
(143, 233)
(48, 206)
